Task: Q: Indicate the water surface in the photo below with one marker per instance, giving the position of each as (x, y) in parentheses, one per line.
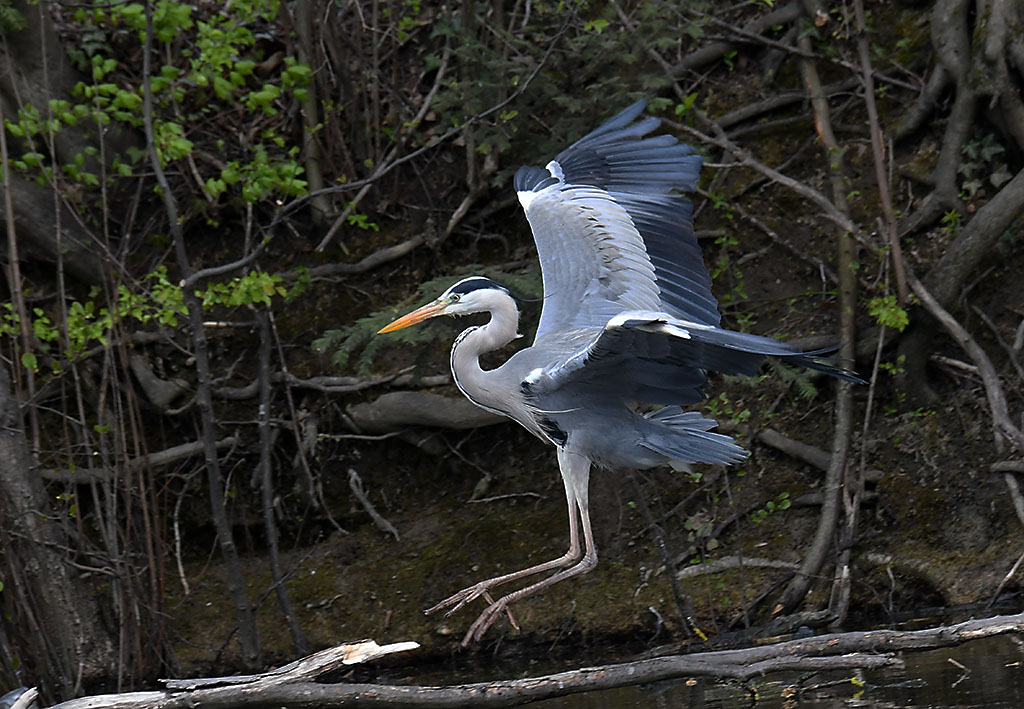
(985, 673)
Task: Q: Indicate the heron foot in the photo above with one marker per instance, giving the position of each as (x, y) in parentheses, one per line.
(458, 600)
(486, 619)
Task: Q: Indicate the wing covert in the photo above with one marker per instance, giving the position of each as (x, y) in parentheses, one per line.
(652, 358)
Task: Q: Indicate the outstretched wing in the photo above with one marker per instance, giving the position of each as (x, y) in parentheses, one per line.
(613, 231)
(649, 357)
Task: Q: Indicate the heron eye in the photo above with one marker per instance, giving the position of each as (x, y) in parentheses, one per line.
(455, 297)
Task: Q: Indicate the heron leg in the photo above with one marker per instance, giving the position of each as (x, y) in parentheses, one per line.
(576, 471)
(571, 556)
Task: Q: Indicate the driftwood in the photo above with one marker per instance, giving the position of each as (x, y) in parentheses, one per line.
(294, 684)
(400, 409)
(157, 459)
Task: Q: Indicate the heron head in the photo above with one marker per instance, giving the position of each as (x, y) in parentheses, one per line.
(475, 294)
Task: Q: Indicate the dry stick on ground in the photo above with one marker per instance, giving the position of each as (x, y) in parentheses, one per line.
(838, 484)
(1008, 468)
(356, 484)
(294, 686)
(755, 109)
(235, 576)
(818, 457)
(804, 51)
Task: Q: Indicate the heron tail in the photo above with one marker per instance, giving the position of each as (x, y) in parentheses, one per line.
(685, 437)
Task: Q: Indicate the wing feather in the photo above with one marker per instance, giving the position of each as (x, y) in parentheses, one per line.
(655, 359)
(613, 231)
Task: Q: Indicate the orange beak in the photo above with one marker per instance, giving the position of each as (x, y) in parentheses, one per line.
(430, 310)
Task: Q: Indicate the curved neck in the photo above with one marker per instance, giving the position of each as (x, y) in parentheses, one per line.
(501, 329)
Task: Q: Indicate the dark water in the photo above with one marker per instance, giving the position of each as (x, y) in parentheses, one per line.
(993, 678)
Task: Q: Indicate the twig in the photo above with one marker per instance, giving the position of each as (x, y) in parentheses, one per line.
(774, 236)
(266, 482)
(325, 384)
(837, 485)
(993, 389)
(745, 158)
(234, 573)
(878, 150)
(712, 52)
(777, 101)
(384, 164)
(1002, 584)
(356, 483)
(377, 258)
(389, 165)
(684, 606)
(727, 563)
(511, 495)
(955, 363)
(805, 53)
(159, 459)
(1008, 468)
(999, 338)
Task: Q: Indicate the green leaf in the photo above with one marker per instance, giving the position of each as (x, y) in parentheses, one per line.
(888, 312)
(29, 361)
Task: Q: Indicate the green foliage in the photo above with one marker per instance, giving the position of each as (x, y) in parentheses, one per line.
(585, 49)
(776, 504)
(700, 526)
(88, 323)
(261, 177)
(792, 375)
(982, 160)
(10, 21)
(724, 269)
(360, 220)
(721, 407)
(359, 337)
(214, 74)
(951, 222)
(894, 368)
(684, 108)
(888, 312)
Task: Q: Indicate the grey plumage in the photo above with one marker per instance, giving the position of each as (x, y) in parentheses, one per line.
(628, 330)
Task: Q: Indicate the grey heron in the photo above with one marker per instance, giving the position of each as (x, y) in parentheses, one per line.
(627, 332)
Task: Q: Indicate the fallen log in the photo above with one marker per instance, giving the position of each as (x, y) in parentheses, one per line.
(294, 685)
